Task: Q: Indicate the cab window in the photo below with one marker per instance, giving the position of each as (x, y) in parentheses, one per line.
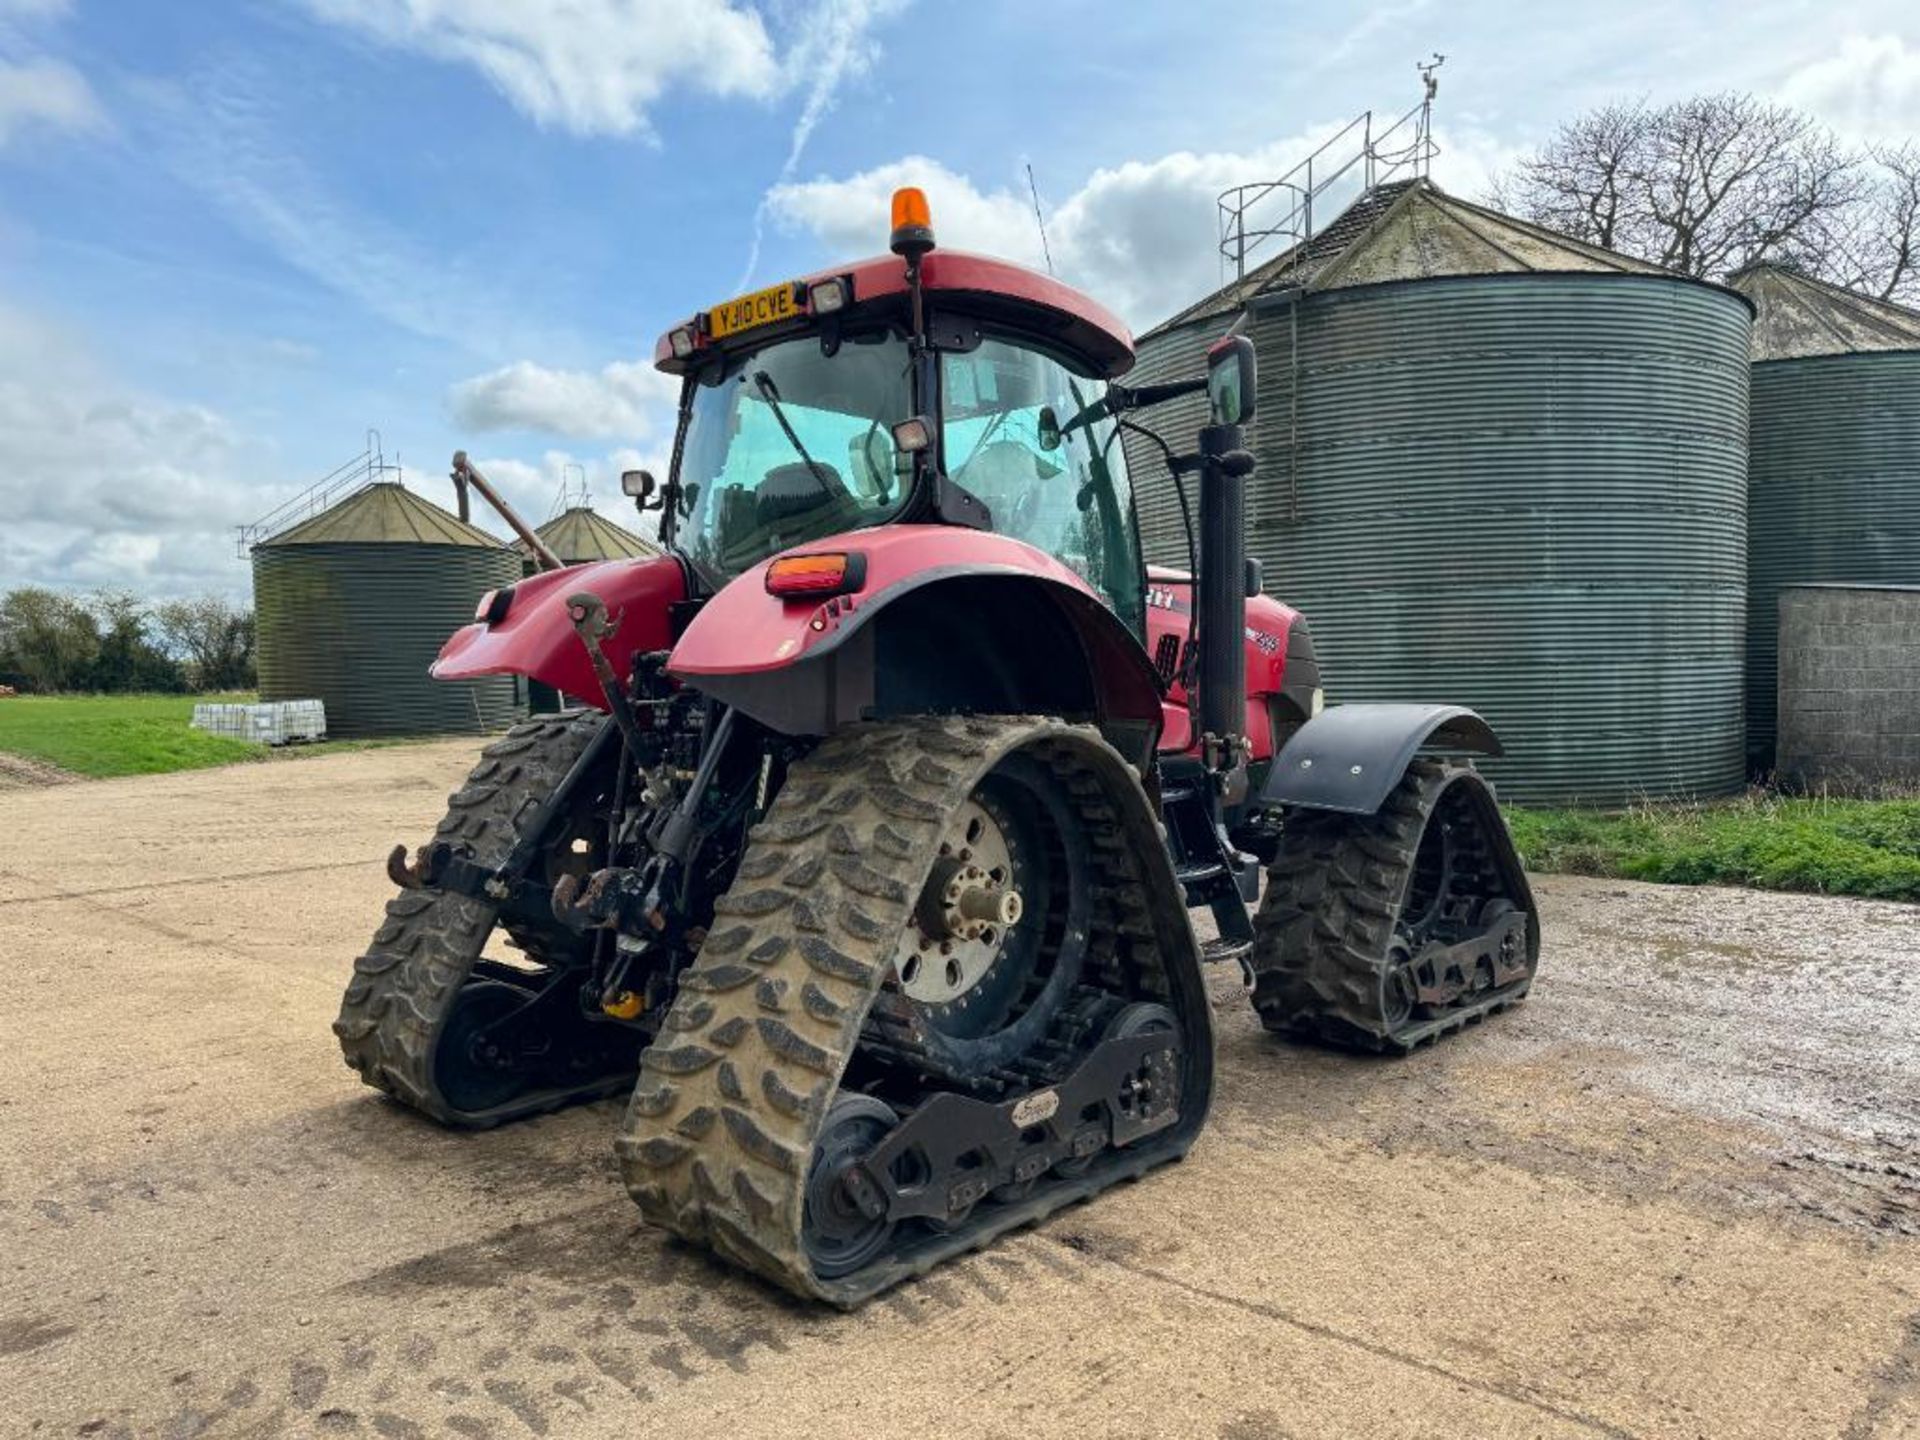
(1004, 406)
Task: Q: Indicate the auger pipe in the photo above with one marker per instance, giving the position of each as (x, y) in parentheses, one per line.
(464, 473)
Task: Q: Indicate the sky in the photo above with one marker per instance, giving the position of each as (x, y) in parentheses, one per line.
(236, 235)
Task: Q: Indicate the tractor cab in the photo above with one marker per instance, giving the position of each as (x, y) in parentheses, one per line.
(951, 389)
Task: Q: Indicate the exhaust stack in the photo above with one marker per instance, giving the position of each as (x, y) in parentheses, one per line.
(1220, 590)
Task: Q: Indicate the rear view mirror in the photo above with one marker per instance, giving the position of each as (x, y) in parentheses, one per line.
(639, 486)
(1231, 380)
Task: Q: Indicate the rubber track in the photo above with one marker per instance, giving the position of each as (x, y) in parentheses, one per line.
(404, 985)
(720, 1132)
(1326, 924)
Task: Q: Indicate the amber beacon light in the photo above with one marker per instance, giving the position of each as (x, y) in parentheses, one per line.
(912, 222)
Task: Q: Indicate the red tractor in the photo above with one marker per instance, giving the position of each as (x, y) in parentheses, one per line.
(873, 849)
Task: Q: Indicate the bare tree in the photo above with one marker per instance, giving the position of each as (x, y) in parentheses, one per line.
(214, 636)
(1587, 180)
(1878, 250)
(1711, 184)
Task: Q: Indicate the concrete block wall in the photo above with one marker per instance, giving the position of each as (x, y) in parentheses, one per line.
(1849, 687)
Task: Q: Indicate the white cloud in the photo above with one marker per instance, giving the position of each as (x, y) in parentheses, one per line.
(1372, 24)
(1142, 237)
(1869, 87)
(104, 487)
(834, 45)
(626, 399)
(1472, 158)
(534, 489)
(48, 94)
(589, 66)
(33, 9)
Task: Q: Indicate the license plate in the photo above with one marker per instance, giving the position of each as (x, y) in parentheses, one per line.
(763, 307)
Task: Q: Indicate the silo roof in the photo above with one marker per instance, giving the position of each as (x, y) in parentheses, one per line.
(385, 513)
(1413, 230)
(1799, 316)
(580, 534)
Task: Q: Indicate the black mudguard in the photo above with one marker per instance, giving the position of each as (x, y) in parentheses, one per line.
(1349, 758)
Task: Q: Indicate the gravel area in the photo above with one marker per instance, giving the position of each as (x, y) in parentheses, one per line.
(1676, 1193)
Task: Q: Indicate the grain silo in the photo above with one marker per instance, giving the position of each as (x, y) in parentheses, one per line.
(353, 605)
(1834, 494)
(1500, 467)
(580, 535)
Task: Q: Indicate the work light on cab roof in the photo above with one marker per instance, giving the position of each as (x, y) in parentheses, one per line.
(1082, 325)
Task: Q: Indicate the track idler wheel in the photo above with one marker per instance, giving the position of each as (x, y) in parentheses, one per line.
(1379, 932)
(477, 1066)
(936, 915)
(845, 1225)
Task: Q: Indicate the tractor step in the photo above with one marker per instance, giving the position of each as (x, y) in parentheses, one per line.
(1223, 948)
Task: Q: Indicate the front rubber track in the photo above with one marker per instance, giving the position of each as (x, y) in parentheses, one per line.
(721, 1129)
(1327, 923)
(404, 985)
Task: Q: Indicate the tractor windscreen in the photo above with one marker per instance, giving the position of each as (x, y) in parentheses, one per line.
(789, 444)
(1005, 405)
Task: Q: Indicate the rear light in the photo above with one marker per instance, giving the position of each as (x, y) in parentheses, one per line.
(492, 608)
(836, 573)
(682, 342)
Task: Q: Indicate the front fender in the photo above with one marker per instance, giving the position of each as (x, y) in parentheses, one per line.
(808, 666)
(1350, 757)
(536, 637)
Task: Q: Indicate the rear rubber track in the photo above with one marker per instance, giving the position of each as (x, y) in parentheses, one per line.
(1327, 926)
(404, 986)
(720, 1132)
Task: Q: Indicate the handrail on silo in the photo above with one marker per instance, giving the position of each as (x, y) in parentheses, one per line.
(1310, 178)
(464, 474)
(369, 467)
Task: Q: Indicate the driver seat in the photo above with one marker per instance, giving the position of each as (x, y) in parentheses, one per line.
(790, 490)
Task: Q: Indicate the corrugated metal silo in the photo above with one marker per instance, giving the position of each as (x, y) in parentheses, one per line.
(1504, 468)
(1835, 474)
(580, 535)
(353, 605)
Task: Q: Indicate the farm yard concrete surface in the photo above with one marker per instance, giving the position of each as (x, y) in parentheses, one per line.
(1676, 1193)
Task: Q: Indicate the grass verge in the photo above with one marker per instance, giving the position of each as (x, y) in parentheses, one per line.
(1762, 840)
(116, 734)
(104, 735)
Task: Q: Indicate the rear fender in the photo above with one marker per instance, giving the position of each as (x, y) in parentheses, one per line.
(947, 620)
(1350, 757)
(536, 637)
